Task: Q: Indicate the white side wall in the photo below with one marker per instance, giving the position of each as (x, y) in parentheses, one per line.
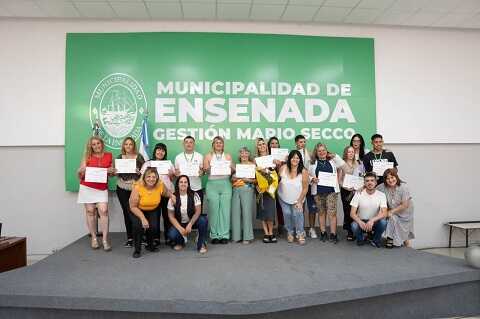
(423, 77)
(431, 73)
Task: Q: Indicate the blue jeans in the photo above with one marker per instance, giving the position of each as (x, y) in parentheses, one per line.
(201, 224)
(293, 218)
(378, 228)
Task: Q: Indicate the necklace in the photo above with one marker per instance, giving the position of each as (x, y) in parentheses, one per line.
(218, 156)
(191, 158)
(322, 162)
(378, 158)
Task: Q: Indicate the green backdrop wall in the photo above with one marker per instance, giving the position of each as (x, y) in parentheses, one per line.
(240, 86)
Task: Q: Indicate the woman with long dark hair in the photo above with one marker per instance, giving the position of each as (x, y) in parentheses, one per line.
(292, 190)
(358, 144)
(185, 215)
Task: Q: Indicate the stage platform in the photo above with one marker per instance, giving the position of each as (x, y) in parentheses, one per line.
(241, 281)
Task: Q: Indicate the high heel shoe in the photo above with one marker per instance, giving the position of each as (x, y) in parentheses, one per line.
(106, 246)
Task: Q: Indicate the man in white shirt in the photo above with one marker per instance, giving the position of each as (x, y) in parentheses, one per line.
(369, 210)
(189, 158)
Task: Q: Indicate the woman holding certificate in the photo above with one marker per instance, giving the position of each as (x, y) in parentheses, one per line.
(274, 143)
(350, 177)
(127, 169)
(218, 191)
(185, 215)
(144, 200)
(243, 182)
(267, 183)
(323, 170)
(400, 210)
(96, 165)
(166, 171)
(292, 190)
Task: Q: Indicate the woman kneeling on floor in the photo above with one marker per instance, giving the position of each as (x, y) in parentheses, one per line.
(185, 215)
(144, 201)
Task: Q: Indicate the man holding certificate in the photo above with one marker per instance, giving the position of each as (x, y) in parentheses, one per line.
(190, 163)
(325, 189)
(94, 169)
(379, 160)
(217, 164)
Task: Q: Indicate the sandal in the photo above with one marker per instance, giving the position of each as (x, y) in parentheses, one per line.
(389, 243)
(266, 239)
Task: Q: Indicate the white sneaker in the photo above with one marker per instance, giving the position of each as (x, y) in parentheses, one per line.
(312, 233)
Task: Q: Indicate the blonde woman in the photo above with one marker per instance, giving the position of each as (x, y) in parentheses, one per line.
(242, 202)
(353, 167)
(267, 184)
(95, 195)
(218, 192)
(125, 183)
(144, 200)
(325, 165)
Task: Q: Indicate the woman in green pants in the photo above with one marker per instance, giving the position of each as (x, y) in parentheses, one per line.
(219, 191)
(242, 202)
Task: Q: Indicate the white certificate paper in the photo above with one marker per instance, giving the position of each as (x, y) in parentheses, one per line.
(379, 167)
(220, 167)
(352, 181)
(245, 171)
(126, 165)
(189, 169)
(265, 161)
(95, 174)
(280, 154)
(327, 179)
(163, 167)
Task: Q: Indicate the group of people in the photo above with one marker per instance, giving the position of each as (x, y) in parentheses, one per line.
(283, 189)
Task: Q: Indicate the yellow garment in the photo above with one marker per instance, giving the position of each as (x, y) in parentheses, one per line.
(149, 199)
(267, 184)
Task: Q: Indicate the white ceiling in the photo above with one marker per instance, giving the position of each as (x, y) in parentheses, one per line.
(431, 13)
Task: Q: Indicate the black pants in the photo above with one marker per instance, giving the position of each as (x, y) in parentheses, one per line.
(346, 199)
(162, 211)
(138, 230)
(123, 198)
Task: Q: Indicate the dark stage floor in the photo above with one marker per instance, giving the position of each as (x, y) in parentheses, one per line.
(231, 279)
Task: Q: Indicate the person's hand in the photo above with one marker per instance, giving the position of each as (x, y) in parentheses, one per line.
(82, 170)
(362, 225)
(389, 213)
(111, 170)
(173, 198)
(183, 231)
(188, 229)
(145, 224)
(314, 180)
(138, 172)
(171, 172)
(298, 206)
(370, 225)
(177, 172)
(277, 162)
